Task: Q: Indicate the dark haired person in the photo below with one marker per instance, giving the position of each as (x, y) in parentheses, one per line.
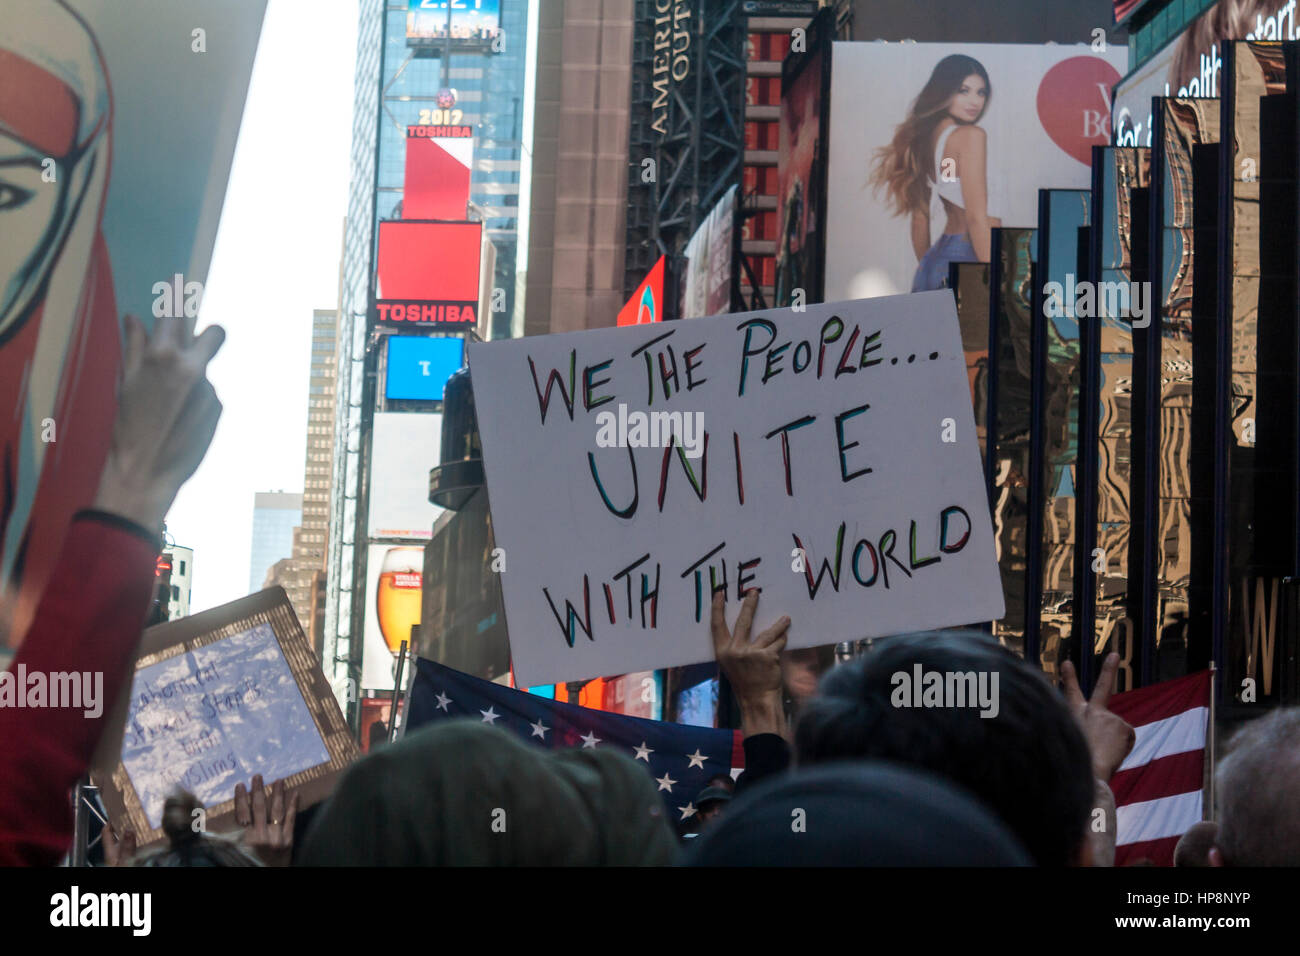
(815, 816)
(1031, 763)
(941, 148)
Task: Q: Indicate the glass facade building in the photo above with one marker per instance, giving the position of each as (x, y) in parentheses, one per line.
(275, 515)
(393, 85)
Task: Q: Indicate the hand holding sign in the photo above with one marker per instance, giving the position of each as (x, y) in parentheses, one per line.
(268, 824)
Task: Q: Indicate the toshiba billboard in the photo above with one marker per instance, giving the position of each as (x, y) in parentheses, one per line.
(428, 274)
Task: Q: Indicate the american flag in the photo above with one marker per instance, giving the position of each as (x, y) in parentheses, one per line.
(1158, 787)
(681, 759)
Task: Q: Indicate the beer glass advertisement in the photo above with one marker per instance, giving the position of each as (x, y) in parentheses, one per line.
(958, 141)
(117, 129)
(394, 589)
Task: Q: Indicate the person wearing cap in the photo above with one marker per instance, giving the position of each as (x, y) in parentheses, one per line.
(711, 803)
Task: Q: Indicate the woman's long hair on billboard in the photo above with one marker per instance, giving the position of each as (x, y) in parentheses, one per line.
(1226, 20)
(905, 167)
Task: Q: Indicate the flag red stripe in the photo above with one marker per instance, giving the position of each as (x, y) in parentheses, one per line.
(1166, 699)
(1159, 852)
(737, 750)
(1165, 777)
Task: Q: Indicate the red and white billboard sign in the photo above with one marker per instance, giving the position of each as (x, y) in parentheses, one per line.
(437, 179)
(428, 273)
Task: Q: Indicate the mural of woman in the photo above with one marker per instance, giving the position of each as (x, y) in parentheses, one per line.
(940, 148)
(59, 332)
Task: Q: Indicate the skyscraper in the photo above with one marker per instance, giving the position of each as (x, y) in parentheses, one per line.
(483, 82)
(275, 515)
(298, 572)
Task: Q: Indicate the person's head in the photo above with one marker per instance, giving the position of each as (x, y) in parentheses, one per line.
(958, 89)
(1257, 783)
(722, 780)
(462, 793)
(711, 803)
(857, 814)
(187, 842)
(1001, 731)
(1193, 847)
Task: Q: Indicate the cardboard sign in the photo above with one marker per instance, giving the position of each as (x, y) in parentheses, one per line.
(216, 698)
(827, 457)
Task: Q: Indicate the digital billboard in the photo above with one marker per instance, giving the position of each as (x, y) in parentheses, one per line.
(404, 446)
(647, 302)
(1192, 64)
(1126, 8)
(394, 603)
(957, 142)
(467, 20)
(801, 170)
(710, 262)
(428, 273)
(418, 367)
(437, 177)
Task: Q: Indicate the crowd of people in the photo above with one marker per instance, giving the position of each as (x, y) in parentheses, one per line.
(855, 780)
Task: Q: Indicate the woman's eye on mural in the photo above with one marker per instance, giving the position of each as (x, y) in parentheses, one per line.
(11, 197)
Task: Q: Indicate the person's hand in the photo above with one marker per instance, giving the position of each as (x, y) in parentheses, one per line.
(118, 852)
(268, 825)
(167, 413)
(1110, 737)
(752, 667)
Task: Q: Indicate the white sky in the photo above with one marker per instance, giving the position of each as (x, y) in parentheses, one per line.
(276, 259)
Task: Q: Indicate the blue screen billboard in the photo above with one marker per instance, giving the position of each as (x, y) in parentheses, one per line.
(474, 20)
(418, 367)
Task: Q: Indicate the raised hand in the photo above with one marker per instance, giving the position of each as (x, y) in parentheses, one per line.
(1110, 737)
(752, 666)
(167, 413)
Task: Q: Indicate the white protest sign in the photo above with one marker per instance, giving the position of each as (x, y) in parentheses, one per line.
(827, 457)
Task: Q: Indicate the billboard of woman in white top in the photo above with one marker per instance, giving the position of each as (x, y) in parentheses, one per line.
(940, 136)
(932, 146)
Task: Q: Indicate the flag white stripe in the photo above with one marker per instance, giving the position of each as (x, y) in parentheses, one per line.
(1157, 819)
(1178, 734)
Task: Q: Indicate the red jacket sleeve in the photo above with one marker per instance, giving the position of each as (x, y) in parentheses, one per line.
(89, 621)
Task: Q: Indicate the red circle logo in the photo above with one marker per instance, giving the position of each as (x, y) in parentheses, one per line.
(1074, 104)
